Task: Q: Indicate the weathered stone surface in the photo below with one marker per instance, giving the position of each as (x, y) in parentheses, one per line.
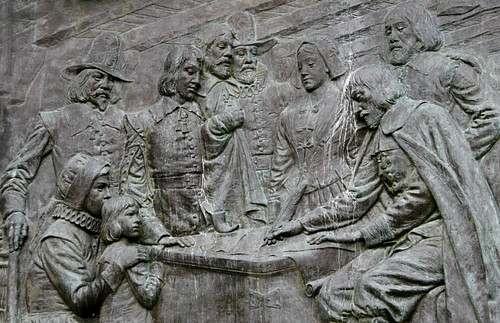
(256, 160)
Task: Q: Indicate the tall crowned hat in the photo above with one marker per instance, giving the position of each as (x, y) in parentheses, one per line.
(103, 55)
(243, 26)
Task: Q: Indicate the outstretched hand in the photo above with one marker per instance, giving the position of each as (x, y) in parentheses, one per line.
(184, 242)
(345, 237)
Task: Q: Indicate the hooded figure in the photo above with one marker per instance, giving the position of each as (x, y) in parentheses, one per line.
(64, 283)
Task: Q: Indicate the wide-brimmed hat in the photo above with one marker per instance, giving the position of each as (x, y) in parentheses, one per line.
(104, 55)
(243, 26)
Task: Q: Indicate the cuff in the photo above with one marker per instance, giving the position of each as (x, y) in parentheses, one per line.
(377, 232)
(112, 275)
(319, 219)
(10, 204)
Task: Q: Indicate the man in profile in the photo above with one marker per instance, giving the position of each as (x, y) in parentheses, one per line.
(435, 223)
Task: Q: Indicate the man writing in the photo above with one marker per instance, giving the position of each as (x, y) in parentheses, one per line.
(435, 219)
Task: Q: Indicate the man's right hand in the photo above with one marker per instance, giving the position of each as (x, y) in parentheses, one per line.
(16, 228)
(286, 229)
(237, 116)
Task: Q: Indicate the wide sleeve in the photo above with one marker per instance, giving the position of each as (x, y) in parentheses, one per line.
(136, 178)
(145, 280)
(282, 163)
(134, 173)
(471, 91)
(22, 169)
(407, 211)
(348, 208)
(218, 130)
(67, 269)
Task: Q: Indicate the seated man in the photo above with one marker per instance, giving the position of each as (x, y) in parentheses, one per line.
(431, 201)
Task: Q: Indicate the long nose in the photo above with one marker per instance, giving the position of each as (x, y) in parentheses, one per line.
(107, 194)
(303, 70)
(196, 79)
(106, 82)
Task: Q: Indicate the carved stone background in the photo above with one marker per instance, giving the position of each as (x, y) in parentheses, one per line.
(39, 38)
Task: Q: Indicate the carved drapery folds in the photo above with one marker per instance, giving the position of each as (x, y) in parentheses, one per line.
(218, 162)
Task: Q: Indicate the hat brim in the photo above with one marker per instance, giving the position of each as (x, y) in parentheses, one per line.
(262, 46)
(70, 72)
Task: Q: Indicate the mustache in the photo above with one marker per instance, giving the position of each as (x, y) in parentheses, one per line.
(101, 92)
(224, 60)
(248, 67)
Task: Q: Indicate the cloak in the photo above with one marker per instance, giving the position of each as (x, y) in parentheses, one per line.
(437, 147)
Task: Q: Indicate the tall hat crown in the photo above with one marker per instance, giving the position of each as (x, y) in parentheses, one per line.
(243, 26)
(104, 55)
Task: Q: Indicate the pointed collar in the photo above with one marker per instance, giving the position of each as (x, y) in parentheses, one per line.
(397, 116)
(167, 105)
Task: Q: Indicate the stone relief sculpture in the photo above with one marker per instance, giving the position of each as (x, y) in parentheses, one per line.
(89, 124)
(307, 168)
(163, 153)
(368, 195)
(455, 80)
(139, 292)
(418, 163)
(241, 117)
(65, 283)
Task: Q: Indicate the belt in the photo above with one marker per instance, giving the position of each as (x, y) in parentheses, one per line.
(189, 181)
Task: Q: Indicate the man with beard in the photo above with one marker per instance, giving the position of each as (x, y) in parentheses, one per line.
(435, 223)
(89, 124)
(239, 133)
(454, 81)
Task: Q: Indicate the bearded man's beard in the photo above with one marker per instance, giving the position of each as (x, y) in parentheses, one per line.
(100, 98)
(246, 76)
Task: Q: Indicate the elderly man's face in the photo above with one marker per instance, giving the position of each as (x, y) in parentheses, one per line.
(100, 85)
(365, 108)
(244, 64)
(218, 56)
(188, 79)
(311, 67)
(401, 39)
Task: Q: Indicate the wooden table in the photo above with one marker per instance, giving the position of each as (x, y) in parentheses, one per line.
(231, 278)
